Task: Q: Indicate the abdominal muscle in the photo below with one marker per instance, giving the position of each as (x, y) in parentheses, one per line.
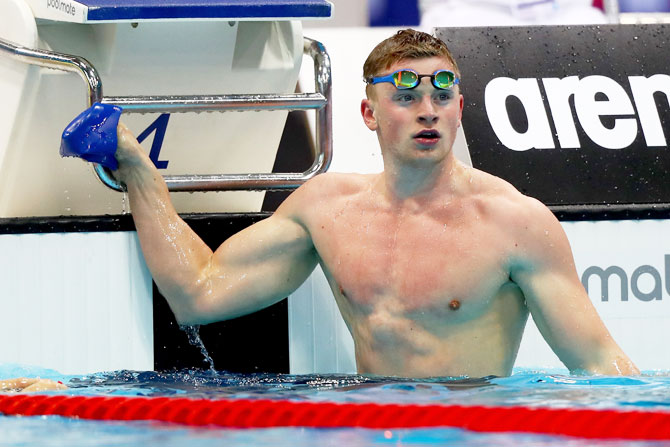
(433, 345)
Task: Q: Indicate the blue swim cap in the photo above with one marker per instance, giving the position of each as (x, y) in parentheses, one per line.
(92, 135)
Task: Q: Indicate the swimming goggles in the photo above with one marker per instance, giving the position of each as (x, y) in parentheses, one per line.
(405, 79)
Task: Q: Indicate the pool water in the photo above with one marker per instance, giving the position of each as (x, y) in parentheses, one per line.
(54, 431)
(555, 389)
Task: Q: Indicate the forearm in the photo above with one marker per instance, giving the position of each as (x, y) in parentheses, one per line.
(579, 337)
(612, 361)
(175, 255)
(581, 340)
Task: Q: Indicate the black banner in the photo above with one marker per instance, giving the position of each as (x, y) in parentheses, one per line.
(569, 114)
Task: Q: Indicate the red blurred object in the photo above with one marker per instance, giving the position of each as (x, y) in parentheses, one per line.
(598, 4)
(246, 413)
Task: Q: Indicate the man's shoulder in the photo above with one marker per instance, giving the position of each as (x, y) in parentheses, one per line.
(494, 189)
(505, 198)
(336, 184)
(536, 232)
(325, 188)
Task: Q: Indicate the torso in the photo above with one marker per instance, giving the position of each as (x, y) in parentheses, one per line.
(427, 291)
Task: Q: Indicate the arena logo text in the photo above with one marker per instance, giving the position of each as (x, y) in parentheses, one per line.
(595, 97)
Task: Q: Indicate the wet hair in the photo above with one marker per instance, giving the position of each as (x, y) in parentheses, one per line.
(406, 44)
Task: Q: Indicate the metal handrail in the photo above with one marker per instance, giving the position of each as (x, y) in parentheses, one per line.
(58, 61)
(183, 104)
(319, 101)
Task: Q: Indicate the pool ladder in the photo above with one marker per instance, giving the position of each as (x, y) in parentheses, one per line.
(320, 101)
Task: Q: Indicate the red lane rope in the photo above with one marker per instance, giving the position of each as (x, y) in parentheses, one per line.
(242, 413)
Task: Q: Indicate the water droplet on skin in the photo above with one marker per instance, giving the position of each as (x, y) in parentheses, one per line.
(546, 232)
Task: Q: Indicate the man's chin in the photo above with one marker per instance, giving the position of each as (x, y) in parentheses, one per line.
(427, 148)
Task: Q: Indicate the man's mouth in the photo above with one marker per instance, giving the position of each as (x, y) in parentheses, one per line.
(427, 136)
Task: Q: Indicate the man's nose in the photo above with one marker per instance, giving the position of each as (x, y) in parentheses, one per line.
(427, 113)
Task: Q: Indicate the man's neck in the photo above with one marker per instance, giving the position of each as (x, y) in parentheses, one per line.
(401, 182)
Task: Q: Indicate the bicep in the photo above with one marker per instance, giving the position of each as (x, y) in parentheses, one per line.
(257, 267)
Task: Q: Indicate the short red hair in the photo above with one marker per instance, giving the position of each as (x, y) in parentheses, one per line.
(406, 44)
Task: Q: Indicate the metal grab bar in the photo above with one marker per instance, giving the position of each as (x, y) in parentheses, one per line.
(58, 61)
(207, 103)
(319, 101)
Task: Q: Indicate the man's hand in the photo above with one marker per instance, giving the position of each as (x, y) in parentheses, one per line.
(129, 153)
(23, 384)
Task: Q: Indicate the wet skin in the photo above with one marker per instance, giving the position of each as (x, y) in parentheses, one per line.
(424, 290)
(29, 385)
(434, 265)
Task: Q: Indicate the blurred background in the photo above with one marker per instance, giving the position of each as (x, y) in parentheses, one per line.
(430, 13)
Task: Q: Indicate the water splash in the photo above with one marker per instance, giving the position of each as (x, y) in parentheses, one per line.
(193, 334)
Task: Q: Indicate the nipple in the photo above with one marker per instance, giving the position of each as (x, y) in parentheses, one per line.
(454, 305)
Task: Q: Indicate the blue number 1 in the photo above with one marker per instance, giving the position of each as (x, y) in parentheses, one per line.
(159, 126)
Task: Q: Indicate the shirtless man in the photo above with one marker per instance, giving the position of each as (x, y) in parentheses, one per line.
(434, 265)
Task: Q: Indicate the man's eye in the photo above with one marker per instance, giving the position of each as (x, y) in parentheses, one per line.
(405, 98)
(443, 97)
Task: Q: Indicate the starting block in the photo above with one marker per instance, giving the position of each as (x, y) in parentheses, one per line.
(156, 59)
(169, 65)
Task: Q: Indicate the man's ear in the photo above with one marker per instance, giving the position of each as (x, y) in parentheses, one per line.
(368, 113)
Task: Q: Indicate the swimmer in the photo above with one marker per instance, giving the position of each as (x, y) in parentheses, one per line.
(32, 385)
(435, 266)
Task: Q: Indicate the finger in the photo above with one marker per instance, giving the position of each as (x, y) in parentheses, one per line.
(19, 383)
(44, 385)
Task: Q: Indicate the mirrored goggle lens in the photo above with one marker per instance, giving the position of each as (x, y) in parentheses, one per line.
(405, 79)
(444, 79)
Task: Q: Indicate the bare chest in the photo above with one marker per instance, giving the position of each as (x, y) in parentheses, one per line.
(424, 263)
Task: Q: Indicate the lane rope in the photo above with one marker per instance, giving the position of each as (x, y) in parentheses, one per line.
(243, 413)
